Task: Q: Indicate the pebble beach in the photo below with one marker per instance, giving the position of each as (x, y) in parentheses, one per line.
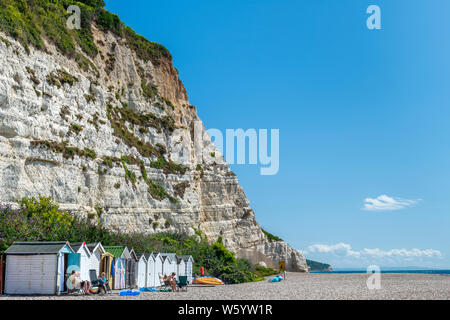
(298, 286)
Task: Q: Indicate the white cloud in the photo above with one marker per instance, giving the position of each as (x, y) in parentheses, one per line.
(386, 203)
(344, 249)
(341, 249)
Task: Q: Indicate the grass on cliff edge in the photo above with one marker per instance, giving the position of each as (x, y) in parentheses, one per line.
(42, 220)
(31, 21)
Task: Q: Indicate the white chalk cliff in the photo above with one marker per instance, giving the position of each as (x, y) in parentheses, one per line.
(113, 139)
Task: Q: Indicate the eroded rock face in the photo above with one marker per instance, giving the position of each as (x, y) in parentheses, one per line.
(65, 128)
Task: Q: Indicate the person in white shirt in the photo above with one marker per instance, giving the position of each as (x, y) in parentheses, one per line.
(77, 283)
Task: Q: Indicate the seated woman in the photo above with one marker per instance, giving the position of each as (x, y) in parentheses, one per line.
(173, 282)
(77, 283)
(166, 280)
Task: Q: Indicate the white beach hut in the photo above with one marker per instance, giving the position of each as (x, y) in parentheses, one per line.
(154, 268)
(159, 262)
(38, 267)
(85, 258)
(189, 264)
(150, 277)
(165, 265)
(141, 271)
(170, 263)
(97, 251)
(181, 266)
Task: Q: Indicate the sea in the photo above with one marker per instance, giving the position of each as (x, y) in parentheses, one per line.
(388, 271)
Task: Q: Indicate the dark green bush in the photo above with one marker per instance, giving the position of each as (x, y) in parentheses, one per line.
(109, 21)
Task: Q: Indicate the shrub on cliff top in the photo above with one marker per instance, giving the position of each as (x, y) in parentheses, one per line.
(94, 3)
(270, 236)
(29, 22)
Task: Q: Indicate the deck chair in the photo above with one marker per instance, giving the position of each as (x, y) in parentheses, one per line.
(163, 285)
(182, 283)
(71, 290)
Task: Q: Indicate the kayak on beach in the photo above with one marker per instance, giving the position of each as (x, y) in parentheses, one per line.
(130, 292)
(277, 278)
(208, 280)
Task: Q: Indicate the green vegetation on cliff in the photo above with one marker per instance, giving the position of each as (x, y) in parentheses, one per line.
(32, 21)
(270, 236)
(42, 220)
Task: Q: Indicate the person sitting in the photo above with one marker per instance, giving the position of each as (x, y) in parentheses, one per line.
(104, 283)
(173, 282)
(77, 283)
(166, 280)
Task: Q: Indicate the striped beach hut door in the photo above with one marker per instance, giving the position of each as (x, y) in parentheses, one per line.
(117, 273)
(123, 273)
(61, 272)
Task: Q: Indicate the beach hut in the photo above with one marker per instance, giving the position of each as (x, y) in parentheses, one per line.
(189, 264)
(85, 258)
(159, 261)
(131, 274)
(107, 266)
(181, 266)
(170, 263)
(97, 251)
(141, 271)
(39, 267)
(150, 276)
(151, 270)
(154, 268)
(120, 255)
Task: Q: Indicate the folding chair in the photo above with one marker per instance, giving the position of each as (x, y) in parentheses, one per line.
(162, 284)
(96, 283)
(182, 283)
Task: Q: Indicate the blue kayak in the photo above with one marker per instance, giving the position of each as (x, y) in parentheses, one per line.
(276, 279)
(130, 292)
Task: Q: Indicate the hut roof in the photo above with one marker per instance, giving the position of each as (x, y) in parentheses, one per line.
(77, 245)
(148, 256)
(116, 251)
(93, 246)
(170, 256)
(185, 257)
(38, 247)
(140, 256)
(134, 255)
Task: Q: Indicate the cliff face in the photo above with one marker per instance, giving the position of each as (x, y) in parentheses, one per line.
(115, 139)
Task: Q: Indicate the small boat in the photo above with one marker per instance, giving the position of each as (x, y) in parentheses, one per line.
(208, 281)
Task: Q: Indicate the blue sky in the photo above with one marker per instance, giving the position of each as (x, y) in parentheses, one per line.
(362, 114)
